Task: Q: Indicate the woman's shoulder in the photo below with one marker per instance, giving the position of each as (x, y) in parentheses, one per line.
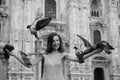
(42, 53)
(64, 55)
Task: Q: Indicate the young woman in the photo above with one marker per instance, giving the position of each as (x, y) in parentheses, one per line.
(53, 56)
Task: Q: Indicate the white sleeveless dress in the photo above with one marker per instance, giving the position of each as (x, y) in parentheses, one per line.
(53, 67)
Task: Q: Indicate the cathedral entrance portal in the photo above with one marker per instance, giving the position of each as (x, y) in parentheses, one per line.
(98, 74)
(101, 68)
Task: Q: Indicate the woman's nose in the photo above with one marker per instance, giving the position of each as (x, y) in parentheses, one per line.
(56, 42)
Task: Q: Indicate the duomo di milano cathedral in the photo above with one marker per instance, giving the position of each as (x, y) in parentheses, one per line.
(94, 20)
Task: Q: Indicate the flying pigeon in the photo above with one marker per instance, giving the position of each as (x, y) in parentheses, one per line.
(39, 25)
(25, 59)
(101, 44)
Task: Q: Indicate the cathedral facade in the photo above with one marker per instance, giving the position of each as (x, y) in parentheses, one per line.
(95, 20)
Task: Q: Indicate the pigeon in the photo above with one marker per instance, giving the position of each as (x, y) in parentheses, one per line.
(25, 59)
(8, 47)
(101, 44)
(79, 55)
(39, 25)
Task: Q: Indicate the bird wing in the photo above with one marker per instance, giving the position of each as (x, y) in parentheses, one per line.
(22, 53)
(42, 23)
(86, 43)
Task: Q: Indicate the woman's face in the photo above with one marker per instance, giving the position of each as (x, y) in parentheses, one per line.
(56, 42)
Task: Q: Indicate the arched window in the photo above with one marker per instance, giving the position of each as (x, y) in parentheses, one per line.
(2, 2)
(118, 8)
(97, 36)
(98, 74)
(50, 8)
(96, 8)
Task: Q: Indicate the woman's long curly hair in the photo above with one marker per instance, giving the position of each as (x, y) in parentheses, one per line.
(50, 43)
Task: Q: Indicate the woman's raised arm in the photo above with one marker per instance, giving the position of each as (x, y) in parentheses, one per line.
(32, 62)
(83, 57)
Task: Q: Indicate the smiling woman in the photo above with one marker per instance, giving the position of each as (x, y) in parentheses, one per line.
(54, 43)
(53, 57)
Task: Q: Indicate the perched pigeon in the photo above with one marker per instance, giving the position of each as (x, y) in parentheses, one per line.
(80, 56)
(25, 59)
